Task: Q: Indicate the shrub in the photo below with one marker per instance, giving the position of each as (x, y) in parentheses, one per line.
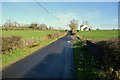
(27, 42)
(10, 42)
(111, 53)
(107, 55)
(54, 35)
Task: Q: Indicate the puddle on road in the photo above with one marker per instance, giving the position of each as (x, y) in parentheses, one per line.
(74, 40)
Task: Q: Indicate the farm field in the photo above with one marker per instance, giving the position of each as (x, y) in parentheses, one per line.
(99, 34)
(29, 33)
(15, 28)
(17, 54)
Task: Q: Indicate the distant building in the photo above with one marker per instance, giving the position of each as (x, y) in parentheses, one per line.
(93, 28)
(85, 27)
(51, 28)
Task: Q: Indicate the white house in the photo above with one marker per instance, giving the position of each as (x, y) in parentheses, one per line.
(84, 27)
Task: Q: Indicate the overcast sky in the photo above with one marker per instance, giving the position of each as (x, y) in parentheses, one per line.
(103, 15)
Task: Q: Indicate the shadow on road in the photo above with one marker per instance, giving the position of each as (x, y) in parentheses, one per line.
(55, 65)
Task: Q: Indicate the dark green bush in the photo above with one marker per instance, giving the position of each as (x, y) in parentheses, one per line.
(111, 58)
(107, 55)
(111, 53)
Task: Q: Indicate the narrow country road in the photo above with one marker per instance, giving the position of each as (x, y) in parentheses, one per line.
(53, 61)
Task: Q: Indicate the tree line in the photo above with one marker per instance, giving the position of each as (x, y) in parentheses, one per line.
(33, 25)
(73, 25)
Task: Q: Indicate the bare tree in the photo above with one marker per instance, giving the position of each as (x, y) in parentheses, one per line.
(85, 23)
(10, 23)
(51, 28)
(73, 25)
(15, 23)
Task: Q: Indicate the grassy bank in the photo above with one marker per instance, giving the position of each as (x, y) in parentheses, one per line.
(86, 68)
(20, 53)
(99, 34)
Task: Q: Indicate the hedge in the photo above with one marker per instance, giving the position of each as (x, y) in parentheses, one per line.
(107, 55)
(10, 42)
(54, 35)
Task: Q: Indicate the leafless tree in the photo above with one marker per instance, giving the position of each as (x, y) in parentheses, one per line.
(51, 28)
(73, 25)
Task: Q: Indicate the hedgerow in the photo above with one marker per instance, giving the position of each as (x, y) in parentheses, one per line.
(54, 35)
(10, 42)
(110, 58)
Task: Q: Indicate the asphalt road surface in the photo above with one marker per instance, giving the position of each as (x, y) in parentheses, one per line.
(52, 61)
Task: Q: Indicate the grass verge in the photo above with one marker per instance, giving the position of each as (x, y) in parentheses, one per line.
(86, 68)
(18, 54)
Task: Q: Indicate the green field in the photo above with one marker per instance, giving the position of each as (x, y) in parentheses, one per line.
(99, 34)
(14, 28)
(29, 33)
